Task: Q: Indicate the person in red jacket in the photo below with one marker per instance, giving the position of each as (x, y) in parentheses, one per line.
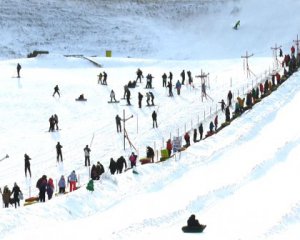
(187, 139)
(169, 147)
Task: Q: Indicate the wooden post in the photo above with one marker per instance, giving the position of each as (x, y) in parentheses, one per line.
(274, 49)
(246, 64)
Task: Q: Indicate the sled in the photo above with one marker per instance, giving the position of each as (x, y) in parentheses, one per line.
(145, 160)
(31, 199)
(30, 203)
(113, 101)
(196, 229)
(83, 100)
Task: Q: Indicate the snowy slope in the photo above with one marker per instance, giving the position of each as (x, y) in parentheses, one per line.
(241, 182)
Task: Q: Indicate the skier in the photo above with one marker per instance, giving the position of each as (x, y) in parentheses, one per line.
(72, 179)
(178, 87)
(148, 98)
(125, 90)
(229, 98)
(51, 123)
(170, 76)
(128, 97)
(118, 122)
(27, 165)
(164, 79)
(237, 24)
(182, 74)
(200, 130)
(216, 122)
(149, 78)
(56, 121)
(190, 78)
(56, 90)
(121, 162)
(132, 160)
(18, 69)
(139, 74)
(62, 184)
(112, 96)
(154, 119)
(87, 151)
(150, 153)
(58, 152)
(222, 105)
(152, 98)
(100, 76)
(170, 89)
(104, 78)
(112, 166)
(140, 98)
(16, 193)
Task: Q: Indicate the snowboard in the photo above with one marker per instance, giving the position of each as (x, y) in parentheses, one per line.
(113, 101)
(80, 100)
(196, 229)
(150, 105)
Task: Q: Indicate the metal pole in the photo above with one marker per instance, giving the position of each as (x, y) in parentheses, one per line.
(124, 126)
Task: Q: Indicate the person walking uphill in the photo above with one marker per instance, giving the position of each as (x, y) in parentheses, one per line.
(72, 179)
(27, 164)
(87, 151)
(154, 119)
(16, 191)
(58, 152)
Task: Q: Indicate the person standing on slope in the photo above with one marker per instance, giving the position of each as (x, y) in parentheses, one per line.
(58, 152)
(87, 151)
(27, 164)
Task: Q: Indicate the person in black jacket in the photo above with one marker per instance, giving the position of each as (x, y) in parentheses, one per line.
(128, 97)
(121, 162)
(154, 119)
(164, 79)
(16, 193)
(112, 166)
(182, 74)
(201, 130)
(18, 69)
(56, 90)
(58, 152)
(140, 97)
(27, 165)
(150, 153)
(118, 122)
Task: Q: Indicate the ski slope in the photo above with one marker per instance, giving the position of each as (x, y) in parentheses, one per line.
(241, 182)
